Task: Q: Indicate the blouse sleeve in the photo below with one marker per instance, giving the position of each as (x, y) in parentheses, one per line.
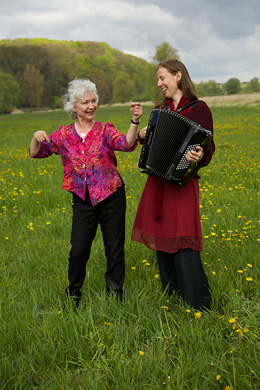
(202, 115)
(116, 140)
(48, 148)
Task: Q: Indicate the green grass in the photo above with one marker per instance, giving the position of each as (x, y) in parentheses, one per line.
(147, 342)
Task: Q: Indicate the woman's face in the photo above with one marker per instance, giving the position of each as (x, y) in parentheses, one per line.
(168, 82)
(86, 108)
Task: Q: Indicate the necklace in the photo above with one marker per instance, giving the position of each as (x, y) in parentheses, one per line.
(82, 132)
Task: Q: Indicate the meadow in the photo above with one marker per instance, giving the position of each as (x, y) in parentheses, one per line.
(148, 341)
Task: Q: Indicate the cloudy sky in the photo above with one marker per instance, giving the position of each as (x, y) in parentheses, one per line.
(216, 39)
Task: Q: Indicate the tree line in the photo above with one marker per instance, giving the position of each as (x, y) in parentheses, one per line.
(35, 73)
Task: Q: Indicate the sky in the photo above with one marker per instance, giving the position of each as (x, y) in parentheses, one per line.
(215, 39)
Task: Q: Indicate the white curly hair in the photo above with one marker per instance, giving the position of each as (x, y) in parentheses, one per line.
(77, 89)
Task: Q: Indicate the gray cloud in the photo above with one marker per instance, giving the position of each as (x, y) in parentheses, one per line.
(215, 39)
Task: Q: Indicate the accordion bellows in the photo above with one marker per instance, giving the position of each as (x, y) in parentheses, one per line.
(169, 136)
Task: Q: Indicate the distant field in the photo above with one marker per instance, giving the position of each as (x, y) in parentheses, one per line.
(148, 341)
(250, 99)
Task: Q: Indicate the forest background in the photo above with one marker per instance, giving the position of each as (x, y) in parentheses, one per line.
(34, 73)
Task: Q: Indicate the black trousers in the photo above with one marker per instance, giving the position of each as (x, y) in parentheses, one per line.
(110, 214)
(184, 272)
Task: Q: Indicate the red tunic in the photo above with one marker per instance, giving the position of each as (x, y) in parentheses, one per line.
(179, 226)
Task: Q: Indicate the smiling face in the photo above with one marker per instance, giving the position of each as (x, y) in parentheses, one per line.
(168, 82)
(86, 108)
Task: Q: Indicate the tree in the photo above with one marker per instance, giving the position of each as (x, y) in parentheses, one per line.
(210, 88)
(35, 85)
(123, 87)
(232, 86)
(10, 93)
(252, 86)
(165, 51)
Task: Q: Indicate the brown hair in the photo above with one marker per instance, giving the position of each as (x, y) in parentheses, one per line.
(185, 84)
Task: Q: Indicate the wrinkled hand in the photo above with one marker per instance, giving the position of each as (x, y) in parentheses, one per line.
(41, 136)
(136, 110)
(195, 157)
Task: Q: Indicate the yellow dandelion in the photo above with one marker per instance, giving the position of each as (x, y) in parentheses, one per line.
(246, 330)
(240, 271)
(218, 377)
(59, 313)
(232, 320)
(197, 315)
(156, 276)
(249, 265)
(227, 388)
(141, 353)
(249, 279)
(164, 307)
(187, 310)
(133, 267)
(213, 273)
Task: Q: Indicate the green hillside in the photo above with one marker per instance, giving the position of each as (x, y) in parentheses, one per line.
(43, 68)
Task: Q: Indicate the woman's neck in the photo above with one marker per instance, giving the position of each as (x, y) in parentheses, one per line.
(83, 127)
(176, 98)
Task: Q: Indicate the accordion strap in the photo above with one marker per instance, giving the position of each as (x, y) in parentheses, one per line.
(187, 105)
(191, 103)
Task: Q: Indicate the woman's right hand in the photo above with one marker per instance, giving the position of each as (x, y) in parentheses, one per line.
(41, 136)
(142, 133)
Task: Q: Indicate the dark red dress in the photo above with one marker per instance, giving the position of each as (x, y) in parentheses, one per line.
(177, 224)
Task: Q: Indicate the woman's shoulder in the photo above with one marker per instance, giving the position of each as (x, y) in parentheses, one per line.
(201, 114)
(200, 104)
(200, 107)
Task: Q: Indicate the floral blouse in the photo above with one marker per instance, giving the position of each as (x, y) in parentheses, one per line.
(90, 161)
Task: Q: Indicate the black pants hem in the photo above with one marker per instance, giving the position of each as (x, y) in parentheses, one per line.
(183, 271)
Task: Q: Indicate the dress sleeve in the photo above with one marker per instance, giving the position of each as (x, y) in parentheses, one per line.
(202, 115)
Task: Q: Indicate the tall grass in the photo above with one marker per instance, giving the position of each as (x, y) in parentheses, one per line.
(147, 341)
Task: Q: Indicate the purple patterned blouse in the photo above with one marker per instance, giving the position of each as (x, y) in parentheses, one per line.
(90, 162)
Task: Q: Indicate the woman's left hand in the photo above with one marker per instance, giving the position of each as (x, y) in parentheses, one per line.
(195, 156)
(136, 110)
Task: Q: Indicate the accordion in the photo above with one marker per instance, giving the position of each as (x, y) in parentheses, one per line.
(169, 137)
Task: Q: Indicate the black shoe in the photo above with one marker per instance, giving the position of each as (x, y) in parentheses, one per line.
(73, 297)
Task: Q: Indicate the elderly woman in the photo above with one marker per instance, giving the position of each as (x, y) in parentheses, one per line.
(90, 173)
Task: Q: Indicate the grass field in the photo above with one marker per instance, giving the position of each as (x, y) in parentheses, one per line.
(147, 342)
